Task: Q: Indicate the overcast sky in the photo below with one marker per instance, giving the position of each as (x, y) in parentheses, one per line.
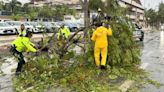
(151, 3)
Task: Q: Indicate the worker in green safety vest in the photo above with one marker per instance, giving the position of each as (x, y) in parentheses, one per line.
(22, 31)
(20, 45)
(63, 32)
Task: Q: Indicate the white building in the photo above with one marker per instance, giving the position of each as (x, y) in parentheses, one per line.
(136, 11)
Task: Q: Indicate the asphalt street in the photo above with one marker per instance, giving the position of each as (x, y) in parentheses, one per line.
(153, 59)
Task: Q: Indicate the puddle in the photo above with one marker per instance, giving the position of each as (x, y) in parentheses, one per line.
(8, 65)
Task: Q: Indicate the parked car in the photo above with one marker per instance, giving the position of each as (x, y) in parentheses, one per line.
(138, 33)
(28, 26)
(17, 24)
(73, 27)
(50, 26)
(14, 24)
(5, 28)
(38, 27)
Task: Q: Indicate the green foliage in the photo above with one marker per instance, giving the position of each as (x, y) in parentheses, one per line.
(123, 50)
(15, 6)
(151, 17)
(46, 12)
(31, 12)
(110, 7)
(1, 5)
(44, 74)
(73, 72)
(161, 13)
(16, 17)
(69, 72)
(60, 11)
(96, 4)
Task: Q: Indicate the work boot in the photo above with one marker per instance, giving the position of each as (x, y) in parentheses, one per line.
(102, 67)
(17, 73)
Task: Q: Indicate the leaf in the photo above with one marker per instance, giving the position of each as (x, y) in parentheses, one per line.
(113, 77)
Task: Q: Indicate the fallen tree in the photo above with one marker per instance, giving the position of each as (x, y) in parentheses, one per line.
(61, 68)
(69, 64)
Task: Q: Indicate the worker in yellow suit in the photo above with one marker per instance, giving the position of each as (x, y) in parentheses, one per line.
(101, 44)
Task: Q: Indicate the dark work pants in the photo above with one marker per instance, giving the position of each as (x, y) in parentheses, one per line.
(21, 61)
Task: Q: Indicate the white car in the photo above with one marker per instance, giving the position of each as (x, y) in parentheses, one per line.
(17, 25)
(37, 26)
(28, 26)
(5, 28)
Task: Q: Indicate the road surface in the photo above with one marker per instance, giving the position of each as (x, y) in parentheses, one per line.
(153, 58)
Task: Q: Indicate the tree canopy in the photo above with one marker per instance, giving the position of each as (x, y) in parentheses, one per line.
(155, 18)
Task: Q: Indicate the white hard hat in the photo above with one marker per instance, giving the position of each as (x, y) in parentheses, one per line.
(99, 9)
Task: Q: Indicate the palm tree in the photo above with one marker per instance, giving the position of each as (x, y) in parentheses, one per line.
(15, 6)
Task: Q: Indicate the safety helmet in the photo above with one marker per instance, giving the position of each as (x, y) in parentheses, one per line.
(99, 10)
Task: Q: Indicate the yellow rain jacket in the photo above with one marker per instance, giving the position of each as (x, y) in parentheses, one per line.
(100, 36)
(23, 44)
(101, 44)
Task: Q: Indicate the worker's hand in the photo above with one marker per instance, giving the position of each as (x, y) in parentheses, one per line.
(75, 41)
(37, 53)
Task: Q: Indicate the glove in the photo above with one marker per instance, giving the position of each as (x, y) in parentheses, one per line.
(37, 53)
(75, 41)
(45, 49)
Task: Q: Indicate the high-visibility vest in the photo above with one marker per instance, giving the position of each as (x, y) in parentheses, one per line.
(65, 32)
(22, 33)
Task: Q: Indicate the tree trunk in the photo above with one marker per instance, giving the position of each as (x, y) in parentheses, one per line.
(86, 18)
(86, 22)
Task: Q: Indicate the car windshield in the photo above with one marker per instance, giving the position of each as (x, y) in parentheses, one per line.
(4, 24)
(70, 24)
(26, 24)
(17, 23)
